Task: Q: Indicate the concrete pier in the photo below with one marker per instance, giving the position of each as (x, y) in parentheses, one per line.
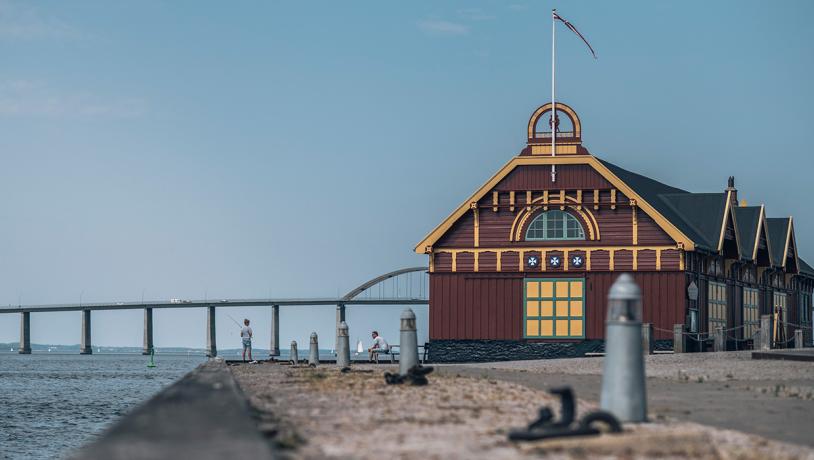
(148, 331)
(274, 346)
(211, 339)
(25, 333)
(85, 346)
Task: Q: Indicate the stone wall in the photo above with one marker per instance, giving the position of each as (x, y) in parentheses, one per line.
(473, 351)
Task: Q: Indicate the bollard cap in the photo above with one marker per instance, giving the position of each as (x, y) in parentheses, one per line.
(625, 300)
(343, 325)
(293, 343)
(313, 335)
(408, 313)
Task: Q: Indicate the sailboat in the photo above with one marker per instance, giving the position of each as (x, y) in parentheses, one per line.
(359, 347)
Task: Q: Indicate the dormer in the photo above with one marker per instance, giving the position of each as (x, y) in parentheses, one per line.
(566, 125)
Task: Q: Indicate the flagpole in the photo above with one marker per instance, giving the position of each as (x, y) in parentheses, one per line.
(553, 101)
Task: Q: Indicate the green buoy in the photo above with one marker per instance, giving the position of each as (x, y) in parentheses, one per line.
(152, 359)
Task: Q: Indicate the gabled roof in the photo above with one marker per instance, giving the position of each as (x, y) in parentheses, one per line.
(665, 223)
(700, 216)
(805, 268)
(777, 228)
(749, 221)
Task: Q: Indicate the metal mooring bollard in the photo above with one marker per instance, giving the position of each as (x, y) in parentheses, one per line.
(719, 339)
(313, 352)
(293, 353)
(766, 332)
(342, 346)
(408, 348)
(798, 338)
(623, 389)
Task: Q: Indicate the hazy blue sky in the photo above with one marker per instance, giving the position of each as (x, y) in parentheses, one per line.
(187, 148)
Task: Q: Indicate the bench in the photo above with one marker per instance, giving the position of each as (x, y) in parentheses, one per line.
(394, 351)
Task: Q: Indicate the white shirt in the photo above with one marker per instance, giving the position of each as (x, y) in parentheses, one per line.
(246, 332)
(382, 344)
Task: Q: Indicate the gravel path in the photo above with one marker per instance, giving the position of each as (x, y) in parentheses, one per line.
(723, 366)
(322, 413)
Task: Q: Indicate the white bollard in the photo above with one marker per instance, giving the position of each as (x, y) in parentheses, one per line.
(313, 355)
(623, 382)
(293, 357)
(408, 348)
(342, 346)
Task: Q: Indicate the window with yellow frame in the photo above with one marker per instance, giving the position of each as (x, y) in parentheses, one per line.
(554, 308)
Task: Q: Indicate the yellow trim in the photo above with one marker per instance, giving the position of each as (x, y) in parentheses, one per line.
(611, 264)
(728, 212)
(588, 260)
(498, 260)
(432, 262)
(596, 198)
(537, 149)
(789, 236)
(592, 161)
(528, 198)
(579, 199)
(454, 261)
(476, 260)
(658, 260)
(477, 225)
(681, 261)
(635, 260)
(520, 261)
(511, 201)
(613, 198)
(495, 200)
(635, 225)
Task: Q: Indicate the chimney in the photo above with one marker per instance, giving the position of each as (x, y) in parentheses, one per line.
(730, 187)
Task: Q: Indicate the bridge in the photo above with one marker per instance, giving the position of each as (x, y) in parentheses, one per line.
(407, 286)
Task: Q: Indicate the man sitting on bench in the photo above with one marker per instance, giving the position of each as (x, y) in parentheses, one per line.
(379, 346)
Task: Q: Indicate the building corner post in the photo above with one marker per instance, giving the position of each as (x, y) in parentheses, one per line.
(211, 338)
(647, 338)
(148, 331)
(798, 338)
(25, 333)
(85, 347)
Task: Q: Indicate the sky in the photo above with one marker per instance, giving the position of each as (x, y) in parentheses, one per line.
(193, 149)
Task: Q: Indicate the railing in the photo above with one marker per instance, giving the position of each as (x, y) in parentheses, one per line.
(560, 134)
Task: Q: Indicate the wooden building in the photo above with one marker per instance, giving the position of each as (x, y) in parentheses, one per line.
(522, 268)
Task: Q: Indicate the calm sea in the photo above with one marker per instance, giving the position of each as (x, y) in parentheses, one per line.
(52, 404)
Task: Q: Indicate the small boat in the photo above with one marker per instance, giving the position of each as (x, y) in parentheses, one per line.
(359, 347)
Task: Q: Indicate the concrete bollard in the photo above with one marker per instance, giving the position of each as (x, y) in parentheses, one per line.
(647, 338)
(293, 356)
(766, 332)
(623, 387)
(678, 339)
(313, 352)
(719, 339)
(342, 346)
(798, 338)
(408, 348)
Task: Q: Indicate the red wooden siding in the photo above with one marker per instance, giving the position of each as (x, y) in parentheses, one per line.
(490, 306)
(538, 177)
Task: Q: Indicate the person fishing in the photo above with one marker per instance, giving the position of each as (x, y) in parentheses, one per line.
(246, 337)
(379, 346)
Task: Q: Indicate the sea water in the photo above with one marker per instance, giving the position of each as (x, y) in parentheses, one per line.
(52, 404)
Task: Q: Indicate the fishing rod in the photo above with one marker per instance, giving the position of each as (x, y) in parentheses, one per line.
(234, 320)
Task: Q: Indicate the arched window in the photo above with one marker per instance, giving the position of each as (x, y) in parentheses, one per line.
(555, 225)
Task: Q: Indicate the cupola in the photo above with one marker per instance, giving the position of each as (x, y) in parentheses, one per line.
(568, 129)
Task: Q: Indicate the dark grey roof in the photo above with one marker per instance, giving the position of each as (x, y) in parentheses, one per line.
(776, 229)
(697, 215)
(805, 268)
(747, 221)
